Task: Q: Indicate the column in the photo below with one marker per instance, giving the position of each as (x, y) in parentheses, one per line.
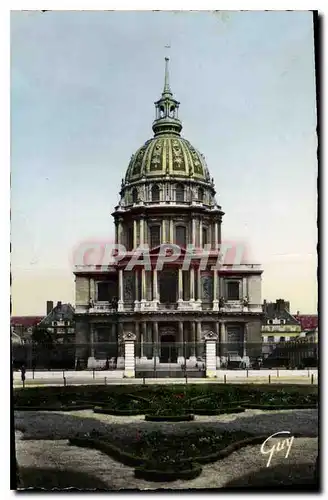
(129, 367)
(145, 232)
(142, 235)
(199, 339)
(171, 231)
(136, 289)
(216, 235)
(121, 353)
(215, 286)
(180, 341)
(223, 339)
(120, 290)
(163, 239)
(245, 340)
(92, 340)
(134, 234)
(193, 232)
(192, 284)
(114, 332)
(155, 341)
(244, 286)
(210, 340)
(180, 285)
(218, 344)
(144, 339)
(137, 334)
(143, 284)
(193, 340)
(199, 285)
(201, 233)
(155, 285)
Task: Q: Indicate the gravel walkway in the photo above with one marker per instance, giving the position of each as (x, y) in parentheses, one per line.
(62, 425)
(34, 448)
(249, 460)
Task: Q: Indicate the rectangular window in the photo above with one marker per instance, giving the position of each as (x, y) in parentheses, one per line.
(155, 236)
(106, 290)
(130, 238)
(233, 290)
(181, 236)
(205, 236)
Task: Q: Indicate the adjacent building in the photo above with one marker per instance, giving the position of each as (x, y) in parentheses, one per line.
(168, 197)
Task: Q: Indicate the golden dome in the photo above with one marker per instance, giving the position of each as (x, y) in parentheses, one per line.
(167, 155)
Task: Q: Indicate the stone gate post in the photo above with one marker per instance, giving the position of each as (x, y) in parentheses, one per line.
(210, 342)
(129, 366)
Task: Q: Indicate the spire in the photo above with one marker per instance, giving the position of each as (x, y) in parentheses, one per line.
(167, 89)
(167, 121)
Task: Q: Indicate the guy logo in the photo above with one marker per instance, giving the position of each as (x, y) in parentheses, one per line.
(283, 444)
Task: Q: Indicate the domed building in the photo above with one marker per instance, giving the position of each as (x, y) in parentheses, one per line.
(167, 203)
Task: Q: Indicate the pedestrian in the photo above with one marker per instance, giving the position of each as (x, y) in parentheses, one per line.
(23, 371)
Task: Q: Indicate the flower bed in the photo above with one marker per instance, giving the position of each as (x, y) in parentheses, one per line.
(161, 457)
(167, 399)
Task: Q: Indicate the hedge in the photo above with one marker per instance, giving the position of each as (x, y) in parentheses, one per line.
(55, 408)
(169, 418)
(122, 413)
(217, 411)
(109, 449)
(280, 407)
(167, 475)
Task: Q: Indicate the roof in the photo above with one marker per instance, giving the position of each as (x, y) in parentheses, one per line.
(66, 310)
(168, 155)
(274, 313)
(25, 321)
(307, 321)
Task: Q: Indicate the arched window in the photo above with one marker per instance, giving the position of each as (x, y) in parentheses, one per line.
(181, 236)
(155, 193)
(282, 339)
(201, 194)
(134, 195)
(179, 193)
(155, 236)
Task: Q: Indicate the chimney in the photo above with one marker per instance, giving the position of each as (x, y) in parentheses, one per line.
(298, 313)
(50, 306)
(280, 305)
(59, 304)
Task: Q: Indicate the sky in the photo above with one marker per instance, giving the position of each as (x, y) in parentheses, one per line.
(83, 86)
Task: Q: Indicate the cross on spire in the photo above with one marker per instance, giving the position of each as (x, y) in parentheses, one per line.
(167, 89)
(167, 120)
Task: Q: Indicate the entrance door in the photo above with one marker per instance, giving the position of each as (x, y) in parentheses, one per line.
(168, 281)
(168, 349)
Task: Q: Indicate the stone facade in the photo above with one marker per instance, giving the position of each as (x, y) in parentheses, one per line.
(168, 197)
